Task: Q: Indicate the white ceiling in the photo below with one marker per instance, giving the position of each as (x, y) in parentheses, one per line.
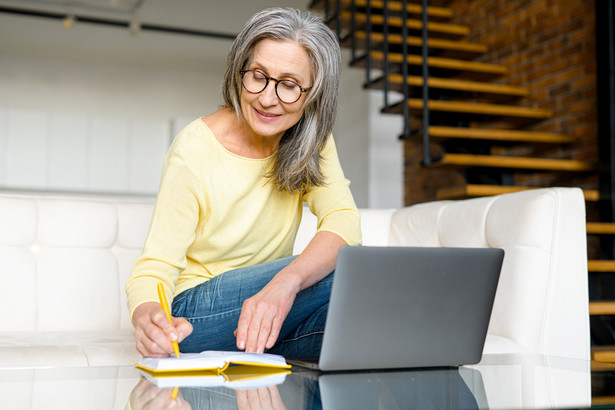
(46, 37)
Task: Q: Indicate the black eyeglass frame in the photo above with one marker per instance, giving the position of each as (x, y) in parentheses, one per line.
(277, 82)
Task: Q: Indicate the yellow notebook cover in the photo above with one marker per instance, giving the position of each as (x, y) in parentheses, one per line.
(236, 377)
(213, 361)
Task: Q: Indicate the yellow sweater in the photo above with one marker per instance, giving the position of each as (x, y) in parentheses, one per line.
(216, 212)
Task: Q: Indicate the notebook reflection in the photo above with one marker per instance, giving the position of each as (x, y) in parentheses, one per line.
(438, 388)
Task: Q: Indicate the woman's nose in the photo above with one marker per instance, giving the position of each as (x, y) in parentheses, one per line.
(268, 96)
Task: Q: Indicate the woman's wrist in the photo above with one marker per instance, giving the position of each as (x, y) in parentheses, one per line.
(290, 278)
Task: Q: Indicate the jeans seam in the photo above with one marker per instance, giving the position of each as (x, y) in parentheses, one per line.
(303, 334)
(208, 317)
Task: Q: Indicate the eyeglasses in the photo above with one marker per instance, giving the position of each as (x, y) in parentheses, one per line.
(255, 82)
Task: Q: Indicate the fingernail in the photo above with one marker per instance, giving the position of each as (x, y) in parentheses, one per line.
(173, 337)
(242, 345)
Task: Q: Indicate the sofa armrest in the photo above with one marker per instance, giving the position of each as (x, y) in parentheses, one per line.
(542, 297)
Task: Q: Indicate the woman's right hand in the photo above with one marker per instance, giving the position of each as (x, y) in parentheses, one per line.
(153, 332)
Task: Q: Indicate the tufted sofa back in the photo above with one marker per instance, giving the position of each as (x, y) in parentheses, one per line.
(64, 260)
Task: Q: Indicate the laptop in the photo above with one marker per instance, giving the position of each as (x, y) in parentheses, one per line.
(408, 307)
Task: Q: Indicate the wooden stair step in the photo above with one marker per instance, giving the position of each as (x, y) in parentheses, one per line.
(597, 366)
(481, 108)
(496, 161)
(396, 82)
(478, 190)
(491, 134)
(591, 195)
(434, 28)
(396, 6)
(600, 401)
(433, 43)
(472, 190)
(604, 353)
(475, 109)
(442, 63)
(603, 307)
(600, 266)
(601, 228)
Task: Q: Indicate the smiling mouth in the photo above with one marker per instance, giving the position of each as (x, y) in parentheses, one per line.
(267, 114)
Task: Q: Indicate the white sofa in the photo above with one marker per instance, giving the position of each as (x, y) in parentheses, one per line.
(64, 260)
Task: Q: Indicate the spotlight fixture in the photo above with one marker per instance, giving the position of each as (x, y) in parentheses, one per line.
(134, 27)
(68, 21)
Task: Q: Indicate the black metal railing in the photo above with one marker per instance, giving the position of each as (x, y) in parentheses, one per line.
(605, 73)
(385, 53)
(347, 31)
(425, 71)
(368, 42)
(404, 71)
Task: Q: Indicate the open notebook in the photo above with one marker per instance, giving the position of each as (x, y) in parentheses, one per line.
(215, 368)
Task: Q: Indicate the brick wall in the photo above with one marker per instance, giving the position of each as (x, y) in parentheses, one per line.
(547, 46)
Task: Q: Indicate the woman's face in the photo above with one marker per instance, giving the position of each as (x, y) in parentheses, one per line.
(264, 113)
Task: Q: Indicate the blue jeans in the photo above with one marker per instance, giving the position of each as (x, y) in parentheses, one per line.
(213, 308)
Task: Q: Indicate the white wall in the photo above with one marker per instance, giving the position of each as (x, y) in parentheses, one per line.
(386, 156)
(352, 135)
(107, 88)
(369, 149)
(83, 126)
(72, 152)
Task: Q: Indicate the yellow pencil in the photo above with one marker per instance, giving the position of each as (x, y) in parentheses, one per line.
(174, 392)
(165, 307)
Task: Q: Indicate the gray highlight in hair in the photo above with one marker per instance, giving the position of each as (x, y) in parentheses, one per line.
(296, 163)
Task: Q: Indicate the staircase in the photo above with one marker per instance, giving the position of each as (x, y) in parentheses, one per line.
(469, 133)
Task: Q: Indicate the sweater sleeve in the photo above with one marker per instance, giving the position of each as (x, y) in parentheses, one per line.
(332, 203)
(171, 232)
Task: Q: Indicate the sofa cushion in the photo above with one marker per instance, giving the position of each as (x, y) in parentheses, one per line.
(77, 223)
(375, 228)
(77, 289)
(18, 281)
(64, 260)
(67, 349)
(18, 221)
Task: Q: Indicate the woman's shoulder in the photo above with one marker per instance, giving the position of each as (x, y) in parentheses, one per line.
(194, 137)
(329, 148)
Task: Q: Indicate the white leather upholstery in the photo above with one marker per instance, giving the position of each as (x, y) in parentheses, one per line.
(541, 304)
(375, 228)
(64, 261)
(63, 264)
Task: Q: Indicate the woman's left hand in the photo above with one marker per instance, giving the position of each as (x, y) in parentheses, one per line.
(263, 314)
(264, 398)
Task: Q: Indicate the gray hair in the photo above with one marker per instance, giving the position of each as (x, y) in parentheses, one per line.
(296, 162)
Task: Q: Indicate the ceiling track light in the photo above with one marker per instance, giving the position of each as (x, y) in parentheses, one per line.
(69, 21)
(108, 22)
(134, 27)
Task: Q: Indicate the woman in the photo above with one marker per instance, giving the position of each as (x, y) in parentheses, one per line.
(230, 202)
